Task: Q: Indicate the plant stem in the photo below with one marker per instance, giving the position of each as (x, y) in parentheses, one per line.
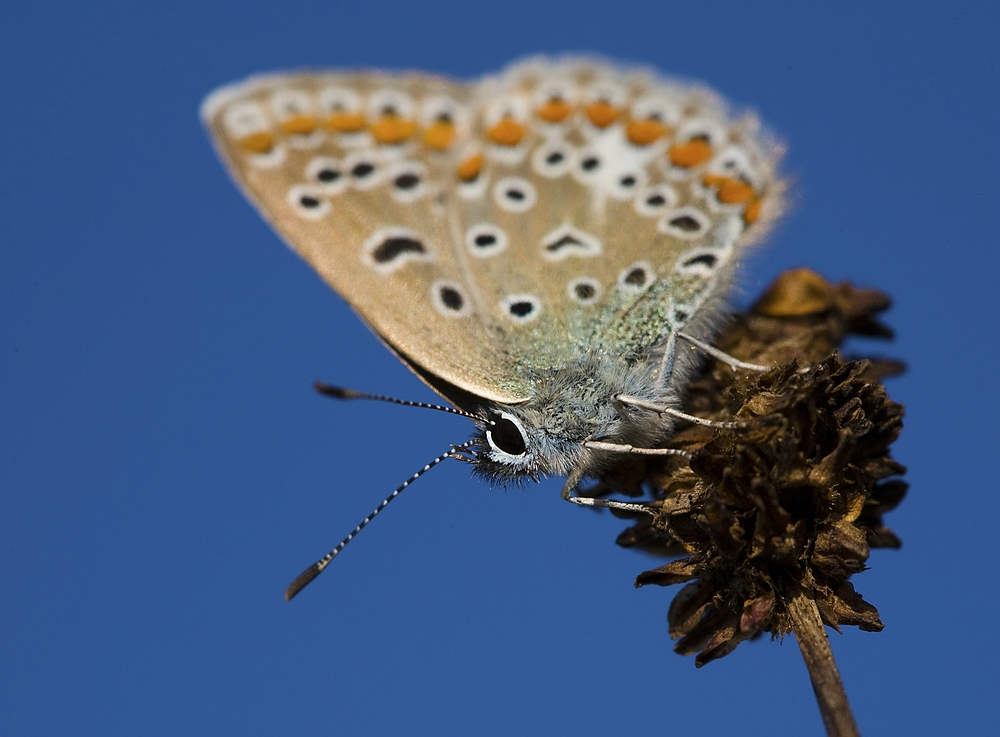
(826, 683)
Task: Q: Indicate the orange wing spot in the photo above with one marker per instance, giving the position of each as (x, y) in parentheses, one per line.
(694, 152)
(469, 169)
(751, 212)
(260, 142)
(300, 125)
(346, 122)
(645, 132)
(508, 132)
(439, 135)
(602, 113)
(555, 110)
(729, 191)
(390, 129)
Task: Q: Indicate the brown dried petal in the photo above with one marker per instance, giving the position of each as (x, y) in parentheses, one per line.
(756, 614)
(840, 551)
(845, 606)
(678, 571)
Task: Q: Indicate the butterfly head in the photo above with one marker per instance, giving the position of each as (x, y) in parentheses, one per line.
(547, 435)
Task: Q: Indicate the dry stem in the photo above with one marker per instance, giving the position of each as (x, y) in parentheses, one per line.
(823, 673)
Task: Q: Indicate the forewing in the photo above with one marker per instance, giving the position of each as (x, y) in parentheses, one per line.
(355, 172)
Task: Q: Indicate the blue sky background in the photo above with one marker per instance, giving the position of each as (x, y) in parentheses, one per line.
(166, 468)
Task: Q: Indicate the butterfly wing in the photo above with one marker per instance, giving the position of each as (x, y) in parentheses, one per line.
(491, 232)
(355, 171)
(645, 193)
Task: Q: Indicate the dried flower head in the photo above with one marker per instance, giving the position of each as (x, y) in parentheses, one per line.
(793, 501)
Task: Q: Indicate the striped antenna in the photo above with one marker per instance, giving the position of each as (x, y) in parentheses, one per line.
(341, 393)
(317, 568)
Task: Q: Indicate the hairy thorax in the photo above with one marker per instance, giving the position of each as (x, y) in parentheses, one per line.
(571, 405)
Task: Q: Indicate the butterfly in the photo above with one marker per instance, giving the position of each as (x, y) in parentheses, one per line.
(549, 248)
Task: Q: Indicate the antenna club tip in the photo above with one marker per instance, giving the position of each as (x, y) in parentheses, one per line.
(302, 581)
(335, 391)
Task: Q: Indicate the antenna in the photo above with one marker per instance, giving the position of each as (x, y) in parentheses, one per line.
(341, 393)
(316, 568)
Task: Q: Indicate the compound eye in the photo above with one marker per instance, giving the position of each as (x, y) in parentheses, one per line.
(506, 435)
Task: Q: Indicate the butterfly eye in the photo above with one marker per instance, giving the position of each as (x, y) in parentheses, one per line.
(684, 222)
(506, 435)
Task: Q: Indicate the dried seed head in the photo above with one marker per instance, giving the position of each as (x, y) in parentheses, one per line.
(794, 501)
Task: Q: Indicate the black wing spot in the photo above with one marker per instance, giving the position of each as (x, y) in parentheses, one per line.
(512, 193)
(591, 163)
(584, 291)
(686, 223)
(328, 175)
(406, 181)
(451, 298)
(627, 181)
(555, 157)
(362, 170)
(521, 309)
(636, 277)
(392, 248)
(567, 241)
(707, 259)
(485, 240)
(656, 200)
(309, 202)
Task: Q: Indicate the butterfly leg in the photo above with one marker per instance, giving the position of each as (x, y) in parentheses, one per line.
(632, 450)
(665, 410)
(723, 356)
(667, 362)
(574, 479)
